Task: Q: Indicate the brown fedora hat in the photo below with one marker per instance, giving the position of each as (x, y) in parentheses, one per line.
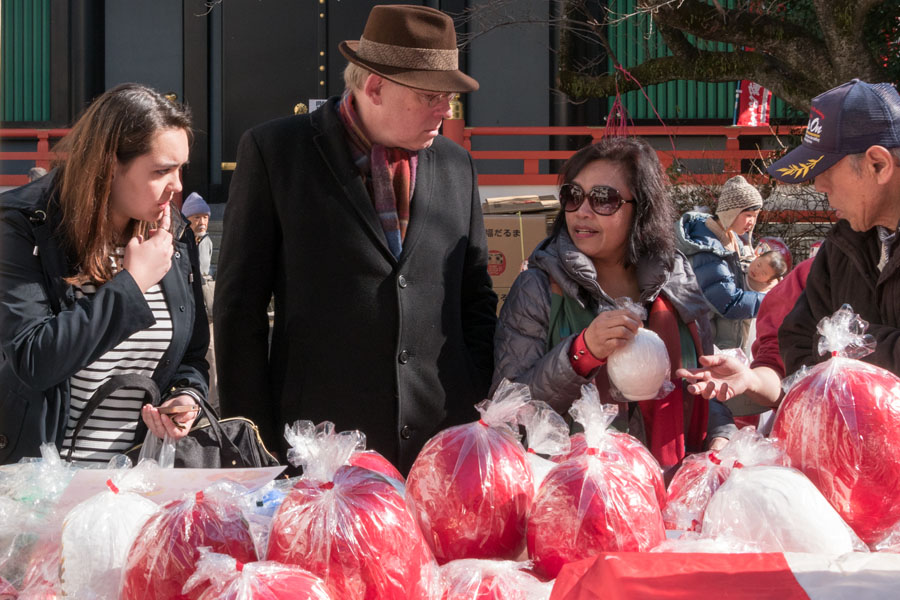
(414, 46)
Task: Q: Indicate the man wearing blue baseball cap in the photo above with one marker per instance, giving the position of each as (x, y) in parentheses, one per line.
(852, 149)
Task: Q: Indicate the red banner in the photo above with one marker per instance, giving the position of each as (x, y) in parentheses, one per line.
(753, 104)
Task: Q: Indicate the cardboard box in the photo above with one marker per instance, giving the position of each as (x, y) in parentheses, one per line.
(501, 297)
(510, 240)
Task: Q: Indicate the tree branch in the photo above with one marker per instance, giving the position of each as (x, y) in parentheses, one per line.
(796, 89)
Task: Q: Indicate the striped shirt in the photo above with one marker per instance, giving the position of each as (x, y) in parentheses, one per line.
(110, 430)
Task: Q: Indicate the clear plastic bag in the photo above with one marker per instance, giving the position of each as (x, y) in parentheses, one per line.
(637, 456)
(547, 434)
(641, 370)
(98, 533)
(591, 503)
(471, 486)
(840, 424)
(165, 552)
(777, 509)
(29, 493)
(701, 475)
(477, 579)
(349, 525)
(224, 578)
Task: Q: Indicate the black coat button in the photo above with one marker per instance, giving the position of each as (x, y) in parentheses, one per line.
(405, 432)
(4, 441)
(404, 357)
(181, 308)
(401, 281)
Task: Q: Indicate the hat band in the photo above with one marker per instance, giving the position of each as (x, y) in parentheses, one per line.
(420, 59)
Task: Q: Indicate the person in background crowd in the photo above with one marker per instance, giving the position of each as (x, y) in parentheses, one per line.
(35, 173)
(366, 225)
(612, 238)
(716, 252)
(197, 212)
(765, 271)
(99, 276)
(852, 149)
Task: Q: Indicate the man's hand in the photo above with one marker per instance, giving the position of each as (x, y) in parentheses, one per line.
(720, 377)
(717, 443)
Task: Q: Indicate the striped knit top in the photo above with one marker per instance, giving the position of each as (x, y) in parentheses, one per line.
(110, 429)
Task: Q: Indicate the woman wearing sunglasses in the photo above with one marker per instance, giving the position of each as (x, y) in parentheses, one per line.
(613, 238)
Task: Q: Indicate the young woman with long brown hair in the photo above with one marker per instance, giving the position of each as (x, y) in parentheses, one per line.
(99, 277)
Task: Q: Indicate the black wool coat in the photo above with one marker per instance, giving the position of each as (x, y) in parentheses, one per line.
(397, 348)
(46, 335)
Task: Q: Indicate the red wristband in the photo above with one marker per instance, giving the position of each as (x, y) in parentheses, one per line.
(581, 358)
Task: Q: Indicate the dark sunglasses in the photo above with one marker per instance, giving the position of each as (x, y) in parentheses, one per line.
(604, 200)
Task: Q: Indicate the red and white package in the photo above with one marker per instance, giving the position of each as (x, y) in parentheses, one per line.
(224, 578)
(369, 459)
(7, 591)
(636, 455)
(165, 553)
(591, 503)
(547, 434)
(41, 580)
(840, 425)
(471, 486)
(702, 474)
(479, 579)
(349, 525)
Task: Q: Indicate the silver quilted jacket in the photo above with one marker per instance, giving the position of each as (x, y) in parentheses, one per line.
(520, 344)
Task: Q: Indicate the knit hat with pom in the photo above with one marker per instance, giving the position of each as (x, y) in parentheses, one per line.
(736, 196)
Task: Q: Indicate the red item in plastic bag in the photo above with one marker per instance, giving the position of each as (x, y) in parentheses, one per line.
(270, 581)
(690, 490)
(356, 533)
(7, 591)
(369, 459)
(587, 505)
(636, 455)
(841, 426)
(165, 552)
(470, 489)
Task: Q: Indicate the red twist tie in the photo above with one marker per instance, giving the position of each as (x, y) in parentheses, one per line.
(531, 451)
(738, 465)
(695, 525)
(199, 497)
(327, 486)
(592, 452)
(714, 459)
(833, 353)
(112, 486)
(239, 566)
(481, 422)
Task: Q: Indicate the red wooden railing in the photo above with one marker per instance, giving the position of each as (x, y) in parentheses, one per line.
(42, 156)
(731, 155)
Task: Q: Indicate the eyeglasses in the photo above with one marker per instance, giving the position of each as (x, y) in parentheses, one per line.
(604, 200)
(433, 99)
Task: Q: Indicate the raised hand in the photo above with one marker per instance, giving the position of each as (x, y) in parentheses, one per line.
(148, 260)
(610, 331)
(721, 377)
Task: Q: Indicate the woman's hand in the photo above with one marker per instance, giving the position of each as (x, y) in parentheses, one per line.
(149, 260)
(610, 331)
(175, 424)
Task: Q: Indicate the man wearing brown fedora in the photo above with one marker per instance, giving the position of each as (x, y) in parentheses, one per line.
(366, 226)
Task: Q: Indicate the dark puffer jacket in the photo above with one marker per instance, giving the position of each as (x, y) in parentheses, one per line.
(520, 345)
(720, 276)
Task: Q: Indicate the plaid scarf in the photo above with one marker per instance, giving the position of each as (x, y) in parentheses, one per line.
(389, 173)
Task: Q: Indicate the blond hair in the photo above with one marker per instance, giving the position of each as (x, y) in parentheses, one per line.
(355, 77)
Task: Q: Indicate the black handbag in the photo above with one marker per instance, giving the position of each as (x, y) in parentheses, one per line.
(211, 443)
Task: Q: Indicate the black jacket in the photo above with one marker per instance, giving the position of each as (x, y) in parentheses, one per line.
(395, 348)
(47, 336)
(845, 271)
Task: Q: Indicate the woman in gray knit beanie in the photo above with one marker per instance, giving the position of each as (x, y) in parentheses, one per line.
(715, 249)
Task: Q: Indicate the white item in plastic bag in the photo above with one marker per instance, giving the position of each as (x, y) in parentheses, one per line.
(779, 510)
(479, 579)
(547, 434)
(96, 537)
(641, 368)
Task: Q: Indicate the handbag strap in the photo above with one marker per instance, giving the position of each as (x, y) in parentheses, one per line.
(114, 383)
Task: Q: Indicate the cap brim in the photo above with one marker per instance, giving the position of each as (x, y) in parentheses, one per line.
(432, 81)
(802, 164)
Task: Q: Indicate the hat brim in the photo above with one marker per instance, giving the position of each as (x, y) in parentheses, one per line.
(432, 81)
(802, 164)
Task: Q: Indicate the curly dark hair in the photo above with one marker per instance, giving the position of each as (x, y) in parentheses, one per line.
(652, 231)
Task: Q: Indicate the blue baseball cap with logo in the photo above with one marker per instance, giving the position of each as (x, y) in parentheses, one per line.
(842, 121)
